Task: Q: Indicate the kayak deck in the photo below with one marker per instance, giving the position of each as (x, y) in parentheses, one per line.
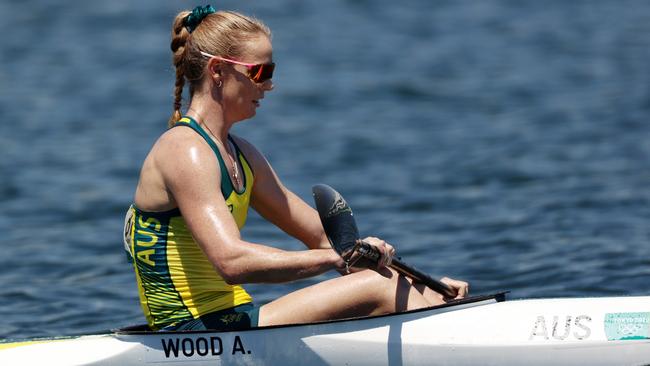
(482, 330)
(143, 329)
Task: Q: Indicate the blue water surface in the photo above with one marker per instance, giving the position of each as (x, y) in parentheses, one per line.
(502, 142)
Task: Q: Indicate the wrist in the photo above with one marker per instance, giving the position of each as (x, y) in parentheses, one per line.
(336, 261)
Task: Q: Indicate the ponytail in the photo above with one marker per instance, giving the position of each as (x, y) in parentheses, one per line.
(180, 34)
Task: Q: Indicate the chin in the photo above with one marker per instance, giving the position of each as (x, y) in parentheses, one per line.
(251, 113)
(248, 116)
(245, 116)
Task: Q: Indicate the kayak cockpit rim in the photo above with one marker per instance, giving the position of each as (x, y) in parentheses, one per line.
(144, 328)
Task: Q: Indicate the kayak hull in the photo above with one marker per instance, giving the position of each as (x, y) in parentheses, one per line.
(481, 330)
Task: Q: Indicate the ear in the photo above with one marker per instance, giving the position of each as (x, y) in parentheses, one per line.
(214, 68)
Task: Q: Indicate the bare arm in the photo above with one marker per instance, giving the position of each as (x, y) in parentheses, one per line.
(190, 173)
(282, 207)
(271, 199)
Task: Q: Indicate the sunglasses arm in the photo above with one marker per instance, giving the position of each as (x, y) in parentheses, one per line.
(227, 59)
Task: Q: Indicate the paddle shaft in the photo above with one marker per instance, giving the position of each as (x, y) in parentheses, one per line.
(402, 268)
(422, 277)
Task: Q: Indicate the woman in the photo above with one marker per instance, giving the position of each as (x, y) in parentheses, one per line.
(195, 188)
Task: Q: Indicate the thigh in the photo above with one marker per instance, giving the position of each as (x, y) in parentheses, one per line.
(362, 293)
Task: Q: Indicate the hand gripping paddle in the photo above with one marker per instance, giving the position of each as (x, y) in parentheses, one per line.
(341, 229)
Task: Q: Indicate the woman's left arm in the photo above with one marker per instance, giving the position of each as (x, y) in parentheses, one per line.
(277, 204)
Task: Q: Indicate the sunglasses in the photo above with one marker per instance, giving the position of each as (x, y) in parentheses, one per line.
(259, 73)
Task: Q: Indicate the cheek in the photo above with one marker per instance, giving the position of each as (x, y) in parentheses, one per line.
(238, 104)
(232, 94)
(236, 90)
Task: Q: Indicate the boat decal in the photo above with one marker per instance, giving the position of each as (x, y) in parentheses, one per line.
(627, 326)
(561, 328)
(197, 347)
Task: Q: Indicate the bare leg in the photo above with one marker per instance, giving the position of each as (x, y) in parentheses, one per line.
(432, 297)
(361, 293)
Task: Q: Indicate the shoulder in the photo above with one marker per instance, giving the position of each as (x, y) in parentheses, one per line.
(183, 152)
(181, 142)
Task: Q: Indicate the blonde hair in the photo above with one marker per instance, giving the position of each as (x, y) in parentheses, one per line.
(223, 33)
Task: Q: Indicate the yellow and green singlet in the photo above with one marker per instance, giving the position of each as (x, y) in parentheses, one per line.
(176, 281)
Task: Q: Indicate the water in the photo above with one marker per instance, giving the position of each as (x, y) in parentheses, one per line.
(501, 142)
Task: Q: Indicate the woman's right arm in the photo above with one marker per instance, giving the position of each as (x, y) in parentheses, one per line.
(189, 171)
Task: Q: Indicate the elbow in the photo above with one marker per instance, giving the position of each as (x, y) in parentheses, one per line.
(232, 278)
(230, 272)
(229, 263)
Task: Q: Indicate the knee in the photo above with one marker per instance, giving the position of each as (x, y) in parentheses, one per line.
(381, 282)
(387, 290)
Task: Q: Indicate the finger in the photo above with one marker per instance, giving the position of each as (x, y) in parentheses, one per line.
(390, 259)
(391, 254)
(460, 287)
(372, 240)
(463, 289)
(384, 255)
(461, 292)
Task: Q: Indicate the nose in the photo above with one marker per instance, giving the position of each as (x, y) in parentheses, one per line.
(267, 85)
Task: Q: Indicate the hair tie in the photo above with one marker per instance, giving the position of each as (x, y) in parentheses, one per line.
(196, 16)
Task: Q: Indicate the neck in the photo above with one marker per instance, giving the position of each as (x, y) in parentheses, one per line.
(211, 115)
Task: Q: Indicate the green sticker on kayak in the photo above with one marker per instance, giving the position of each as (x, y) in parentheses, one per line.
(627, 326)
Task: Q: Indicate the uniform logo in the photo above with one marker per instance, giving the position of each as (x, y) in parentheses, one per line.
(128, 229)
(338, 207)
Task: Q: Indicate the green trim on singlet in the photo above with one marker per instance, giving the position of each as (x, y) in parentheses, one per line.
(240, 156)
(226, 183)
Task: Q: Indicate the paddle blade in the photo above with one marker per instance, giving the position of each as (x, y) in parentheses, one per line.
(341, 230)
(336, 217)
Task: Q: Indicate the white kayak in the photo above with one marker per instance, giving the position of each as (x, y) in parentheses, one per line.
(483, 330)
